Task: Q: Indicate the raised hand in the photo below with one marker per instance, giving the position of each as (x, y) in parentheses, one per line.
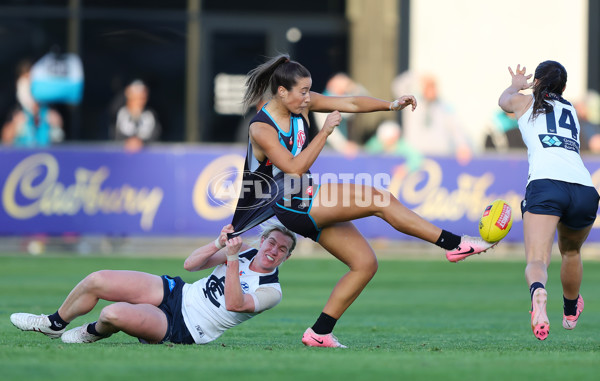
(519, 79)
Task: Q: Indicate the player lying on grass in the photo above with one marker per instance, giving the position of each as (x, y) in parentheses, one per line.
(156, 308)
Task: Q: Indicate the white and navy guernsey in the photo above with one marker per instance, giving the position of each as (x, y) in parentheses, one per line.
(552, 141)
(203, 303)
(264, 182)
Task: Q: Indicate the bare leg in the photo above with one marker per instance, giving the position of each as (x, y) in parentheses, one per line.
(112, 285)
(347, 202)
(337, 204)
(539, 233)
(145, 321)
(571, 270)
(345, 242)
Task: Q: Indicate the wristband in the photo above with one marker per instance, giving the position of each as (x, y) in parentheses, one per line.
(218, 244)
(394, 105)
(233, 257)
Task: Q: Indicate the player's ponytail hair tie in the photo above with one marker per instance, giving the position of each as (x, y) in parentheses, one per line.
(547, 107)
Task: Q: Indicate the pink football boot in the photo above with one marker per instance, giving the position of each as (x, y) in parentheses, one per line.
(468, 246)
(539, 318)
(311, 339)
(570, 321)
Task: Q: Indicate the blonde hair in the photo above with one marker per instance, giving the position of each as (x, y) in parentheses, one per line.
(270, 226)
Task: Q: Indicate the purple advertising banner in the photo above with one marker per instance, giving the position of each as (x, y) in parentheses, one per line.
(192, 190)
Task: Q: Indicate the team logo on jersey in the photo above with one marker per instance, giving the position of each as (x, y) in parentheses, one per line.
(242, 272)
(215, 287)
(245, 287)
(300, 138)
(268, 163)
(309, 190)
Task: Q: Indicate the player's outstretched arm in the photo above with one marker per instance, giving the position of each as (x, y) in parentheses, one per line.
(357, 104)
(511, 100)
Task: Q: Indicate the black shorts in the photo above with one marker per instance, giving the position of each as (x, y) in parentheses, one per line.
(293, 211)
(575, 204)
(177, 331)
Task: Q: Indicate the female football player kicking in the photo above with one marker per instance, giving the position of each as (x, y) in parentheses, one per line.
(279, 158)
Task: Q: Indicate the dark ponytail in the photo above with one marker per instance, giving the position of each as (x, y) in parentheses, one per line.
(551, 80)
(278, 71)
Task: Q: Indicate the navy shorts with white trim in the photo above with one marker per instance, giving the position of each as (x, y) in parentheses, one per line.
(575, 204)
(177, 331)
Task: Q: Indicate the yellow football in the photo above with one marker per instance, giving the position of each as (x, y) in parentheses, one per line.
(496, 221)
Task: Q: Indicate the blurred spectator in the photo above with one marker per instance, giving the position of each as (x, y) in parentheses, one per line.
(136, 124)
(503, 132)
(588, 113)
(31, 124)
(433, 129)
(388, 140)
(341, 85)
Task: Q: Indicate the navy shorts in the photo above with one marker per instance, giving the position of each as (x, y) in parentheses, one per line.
(575, 204)
(293, 211)
(177, 331)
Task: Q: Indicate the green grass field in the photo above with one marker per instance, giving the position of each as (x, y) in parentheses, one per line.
(417, 320)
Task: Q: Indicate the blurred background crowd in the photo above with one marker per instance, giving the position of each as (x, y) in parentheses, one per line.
(173, 71)
(100, 79)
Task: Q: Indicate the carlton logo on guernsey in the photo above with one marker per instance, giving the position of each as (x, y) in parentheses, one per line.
(203, 304)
